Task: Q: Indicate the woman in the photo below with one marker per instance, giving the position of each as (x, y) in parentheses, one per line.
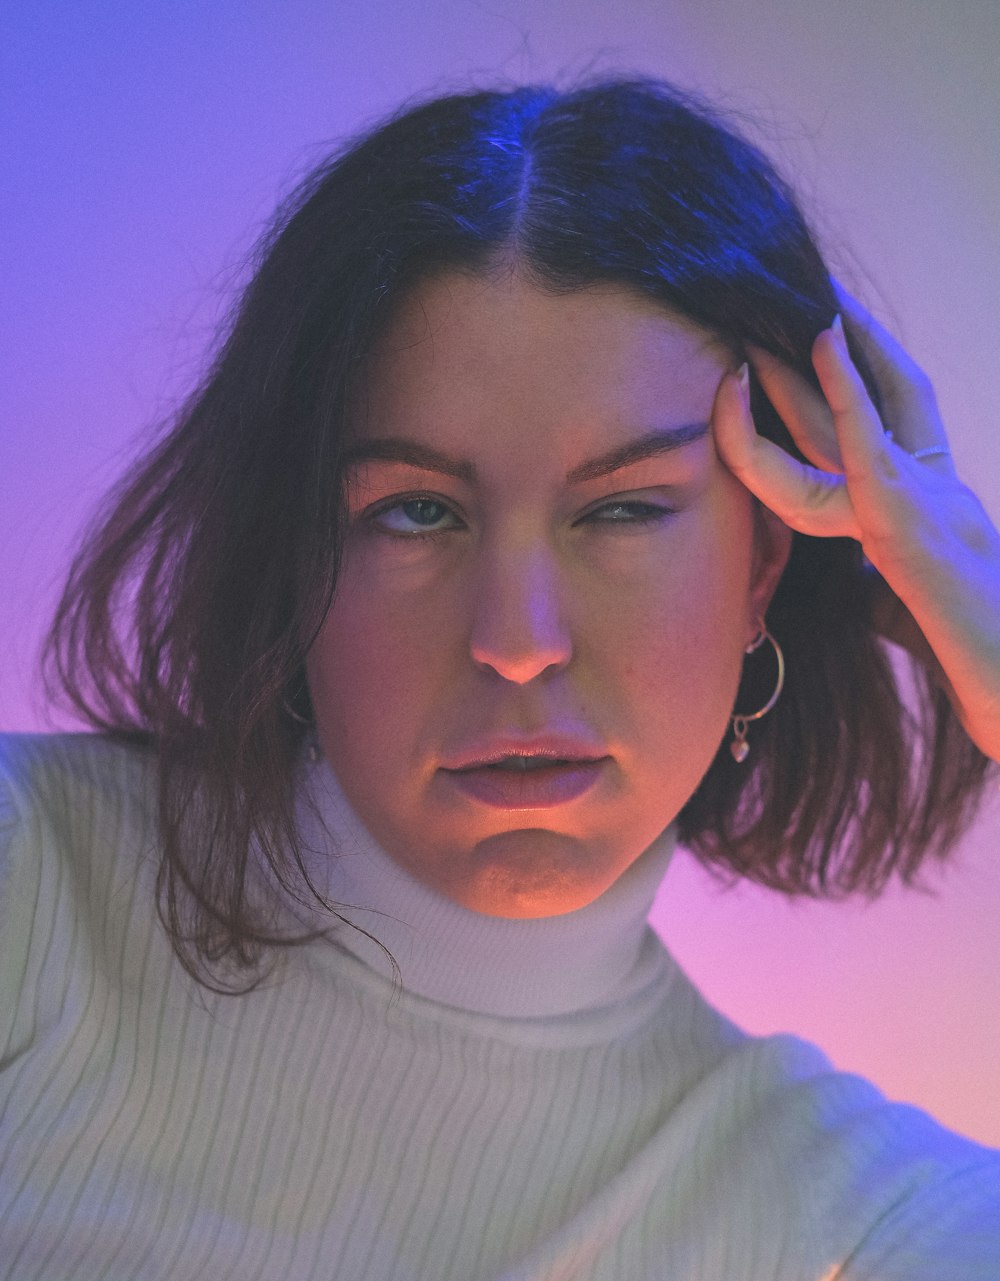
(536, 511)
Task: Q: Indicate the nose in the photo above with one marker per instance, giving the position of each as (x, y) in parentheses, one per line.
(519, 629)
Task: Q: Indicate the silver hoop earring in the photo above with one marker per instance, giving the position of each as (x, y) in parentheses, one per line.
(312, 743)
(739, 747)
(290, 711)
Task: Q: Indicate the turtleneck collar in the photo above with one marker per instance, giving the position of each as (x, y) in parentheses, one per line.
(590, 958)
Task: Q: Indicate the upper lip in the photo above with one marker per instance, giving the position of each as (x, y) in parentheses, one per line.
(556, 746)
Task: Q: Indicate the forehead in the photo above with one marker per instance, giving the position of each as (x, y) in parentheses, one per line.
(469, 356)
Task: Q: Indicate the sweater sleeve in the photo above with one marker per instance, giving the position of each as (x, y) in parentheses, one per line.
(868, 1189)
(948, 1229)
(68, 843)
(25, 918)
(894, 1195)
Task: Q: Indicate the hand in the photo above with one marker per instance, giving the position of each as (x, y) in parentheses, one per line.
(925, 532)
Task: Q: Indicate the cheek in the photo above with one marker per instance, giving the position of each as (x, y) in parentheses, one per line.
(689, 617)
(344, 670)
(372, 666)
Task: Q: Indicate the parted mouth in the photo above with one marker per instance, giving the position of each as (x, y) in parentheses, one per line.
(524, 756)
(525, 764)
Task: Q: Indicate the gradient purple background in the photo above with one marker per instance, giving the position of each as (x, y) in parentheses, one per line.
(146, 146)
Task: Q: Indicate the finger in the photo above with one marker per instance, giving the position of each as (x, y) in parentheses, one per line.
(910, 406)
(860, 433)
(878, 343)
(806, 499)
(866, 449)
(801, 408)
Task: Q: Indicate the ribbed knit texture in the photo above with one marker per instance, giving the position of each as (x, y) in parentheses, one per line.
(544, 1099)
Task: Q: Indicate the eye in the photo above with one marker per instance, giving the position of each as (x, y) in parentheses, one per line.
(413, 517)
(623, 511)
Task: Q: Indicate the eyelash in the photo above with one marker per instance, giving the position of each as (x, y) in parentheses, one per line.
(651, 514)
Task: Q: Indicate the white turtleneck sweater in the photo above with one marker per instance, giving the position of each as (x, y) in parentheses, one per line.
(546, 1099)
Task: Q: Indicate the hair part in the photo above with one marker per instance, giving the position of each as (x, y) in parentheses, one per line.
(194, 600)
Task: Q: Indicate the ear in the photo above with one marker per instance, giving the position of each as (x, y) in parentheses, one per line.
(772, 547)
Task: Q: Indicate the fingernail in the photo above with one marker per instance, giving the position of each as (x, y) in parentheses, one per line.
(743, 378)
(837, 329)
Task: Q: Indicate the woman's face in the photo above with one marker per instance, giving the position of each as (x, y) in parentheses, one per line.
(546, 561)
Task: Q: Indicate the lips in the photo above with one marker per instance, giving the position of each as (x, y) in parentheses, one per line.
(527, 774)
(526, 764)
(512, 749)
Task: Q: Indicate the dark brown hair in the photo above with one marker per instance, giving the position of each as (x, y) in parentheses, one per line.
(190, 609)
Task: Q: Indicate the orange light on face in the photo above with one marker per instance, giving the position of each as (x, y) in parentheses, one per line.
(549, 582)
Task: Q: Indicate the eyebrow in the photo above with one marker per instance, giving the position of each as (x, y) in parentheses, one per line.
(650, 445)
(397, 449)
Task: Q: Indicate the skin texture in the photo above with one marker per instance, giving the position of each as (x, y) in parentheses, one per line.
(515, 602)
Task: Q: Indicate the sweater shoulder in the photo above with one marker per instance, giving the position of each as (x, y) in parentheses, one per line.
(890, 1194)
(76, 826)
(40, 773)
(62, 795)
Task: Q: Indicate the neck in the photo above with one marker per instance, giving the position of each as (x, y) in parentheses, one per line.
(545, 966)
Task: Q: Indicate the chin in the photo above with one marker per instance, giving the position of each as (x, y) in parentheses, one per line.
(529, 874)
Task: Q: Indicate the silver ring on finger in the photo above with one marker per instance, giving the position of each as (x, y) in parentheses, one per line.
(928, 451)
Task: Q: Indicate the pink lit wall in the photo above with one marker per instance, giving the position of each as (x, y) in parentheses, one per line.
(145, 146)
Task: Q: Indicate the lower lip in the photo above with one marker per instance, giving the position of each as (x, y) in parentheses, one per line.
(535, 789)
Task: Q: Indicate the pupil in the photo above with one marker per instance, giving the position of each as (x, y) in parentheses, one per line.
(423, 511)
